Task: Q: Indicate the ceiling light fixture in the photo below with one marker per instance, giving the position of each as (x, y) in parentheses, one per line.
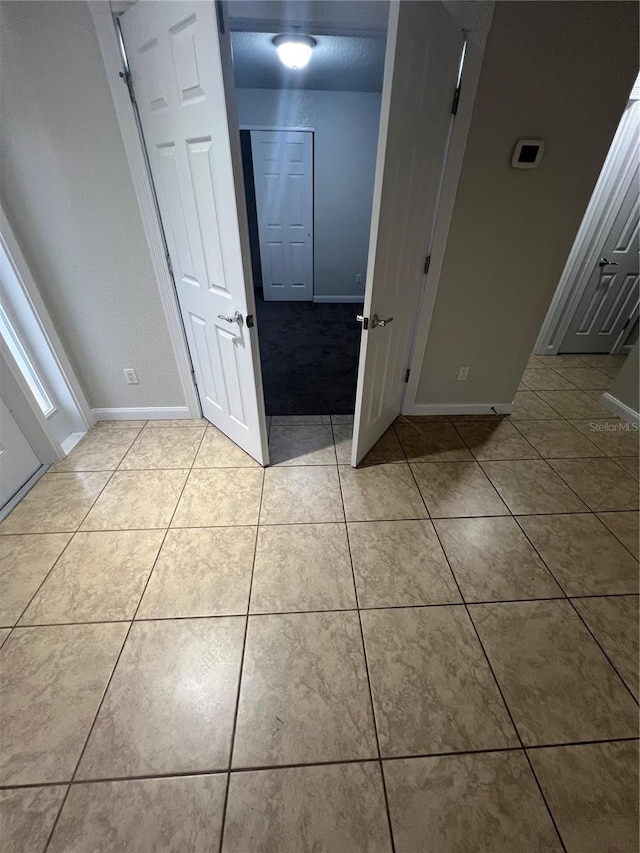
(294, 51)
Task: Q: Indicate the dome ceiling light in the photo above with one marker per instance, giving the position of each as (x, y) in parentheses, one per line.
(294, 51)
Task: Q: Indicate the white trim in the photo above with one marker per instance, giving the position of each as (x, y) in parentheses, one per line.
(477, 34)
(70, 442)
(619, 408)
(610, 190)
(275, 127)
(20, 494)
(143, 413)
(340, 298)
(459, 409)
(107, 39)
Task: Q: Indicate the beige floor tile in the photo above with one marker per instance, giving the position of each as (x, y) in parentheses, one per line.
(574, 404)
(386, 449)
(99, 450)
(467, 803)
(163, 448)
(583, 555)
(27, 816)
(557, 362)
(382, 492)
(531, 487)
(602, 361)
(302, 567)
(595, 394)
(599, 482)
(304, 494)
(302, 444)
(592, 790)
(440, 442)
(457, 489)
(120, 424)
(218, 451)
(625, 527)
(341, 419)
(338, 807)
(558, 685)
(432, 688)
(179, 815)
(56, 504)
(170, 705)
(100, 577)
(24, 563)
(201, 572)
(179, 423)
(4, 633)
(527, 405)
(496, 441)
(543, 379)
(614, 436)
(586, 377)
(53, 679)
(278, 420)
(137, 500)
(398, 563)
(493, 560)
(630, 464)
(220, 497)
(558, 439)
(304, 695)
(533, 362)
(614, 623)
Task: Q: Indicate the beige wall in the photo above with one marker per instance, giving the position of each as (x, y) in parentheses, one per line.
(67, 190)
(561, 71)
(626, 385)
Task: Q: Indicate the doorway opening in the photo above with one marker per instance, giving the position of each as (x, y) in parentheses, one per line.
(309, 140)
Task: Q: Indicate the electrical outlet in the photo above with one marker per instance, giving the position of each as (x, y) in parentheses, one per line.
(130, 376)
(359, 278)
(463, 374)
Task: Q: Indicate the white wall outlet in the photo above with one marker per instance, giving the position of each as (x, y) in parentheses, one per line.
(463, 374)
(130, 376)
(359, 278)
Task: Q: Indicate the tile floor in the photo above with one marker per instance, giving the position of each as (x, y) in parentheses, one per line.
(435, 652)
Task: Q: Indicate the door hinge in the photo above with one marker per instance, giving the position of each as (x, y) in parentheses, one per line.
(407, 374)
(427, 264)
(126, 78)
(456, 101)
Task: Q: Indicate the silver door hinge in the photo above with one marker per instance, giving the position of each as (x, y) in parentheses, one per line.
(406, 376)
(427, 264)
(456, 101)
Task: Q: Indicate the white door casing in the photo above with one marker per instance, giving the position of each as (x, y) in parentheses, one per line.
(424, 46)
(18, 461)
(178, 62)
(283, 178)
(609, 303)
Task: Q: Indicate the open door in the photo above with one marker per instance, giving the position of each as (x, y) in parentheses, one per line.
(178, 54)
(424, 49)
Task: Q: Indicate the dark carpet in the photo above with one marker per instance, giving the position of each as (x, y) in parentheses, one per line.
(309, 353)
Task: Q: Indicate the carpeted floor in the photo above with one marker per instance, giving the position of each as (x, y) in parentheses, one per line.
(309, 353)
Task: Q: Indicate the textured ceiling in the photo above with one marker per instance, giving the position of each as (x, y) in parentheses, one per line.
(338, 63)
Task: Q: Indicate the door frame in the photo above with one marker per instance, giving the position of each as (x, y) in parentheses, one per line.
(474, 19)
(612, 186)
(103, 21)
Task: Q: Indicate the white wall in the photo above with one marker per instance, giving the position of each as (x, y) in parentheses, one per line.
(66, 187)
(346, 139)
(512, 230)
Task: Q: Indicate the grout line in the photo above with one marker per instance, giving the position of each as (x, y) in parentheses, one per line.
(240, 674)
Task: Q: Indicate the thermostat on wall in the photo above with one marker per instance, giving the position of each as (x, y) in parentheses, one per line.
(527, 154)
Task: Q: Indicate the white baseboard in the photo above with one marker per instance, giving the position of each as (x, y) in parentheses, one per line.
(617, 407)
(359, 297)
(458, 409)
(70, 442)
(142, 413)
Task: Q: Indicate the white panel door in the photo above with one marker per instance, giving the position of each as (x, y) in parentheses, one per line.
(18, 461)
(283, 177)
(424, 48)
(609, 303)
(176, 59)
